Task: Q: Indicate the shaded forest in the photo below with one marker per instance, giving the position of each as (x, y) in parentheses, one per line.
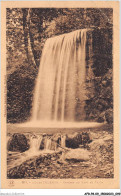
(26, 32)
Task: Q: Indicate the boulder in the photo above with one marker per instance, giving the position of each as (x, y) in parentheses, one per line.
(56, 141)
(96, 144)
(18, 142)
(86, 138)
(77, 155)
(73, 141)
(77, 139)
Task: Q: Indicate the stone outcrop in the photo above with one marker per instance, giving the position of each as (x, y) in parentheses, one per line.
(18, 142)
(77, 139)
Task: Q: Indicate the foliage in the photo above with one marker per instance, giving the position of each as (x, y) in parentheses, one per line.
(99, 105)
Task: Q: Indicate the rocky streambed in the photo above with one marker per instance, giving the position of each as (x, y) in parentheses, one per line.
(85, 153)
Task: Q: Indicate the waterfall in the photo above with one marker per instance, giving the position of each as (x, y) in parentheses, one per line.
(35, 142)
(63, 140)
(48, 144)
(17, 158)
(61, 78)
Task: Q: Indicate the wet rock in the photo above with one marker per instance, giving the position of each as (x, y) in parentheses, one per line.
(18, 142)
(73, 141)
(86, 138)
(98, 143)
(77, 155)
(53, 145)
(77, 139)
(42, 144)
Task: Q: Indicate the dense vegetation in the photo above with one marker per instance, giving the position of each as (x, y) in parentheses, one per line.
(26, 33)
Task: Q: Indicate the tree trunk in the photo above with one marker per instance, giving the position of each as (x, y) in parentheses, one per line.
(28, 37)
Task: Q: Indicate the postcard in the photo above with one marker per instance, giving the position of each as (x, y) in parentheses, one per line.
(60, 95)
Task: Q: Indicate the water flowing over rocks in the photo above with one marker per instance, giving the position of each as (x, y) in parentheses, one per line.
(20, 142)
(49, 157)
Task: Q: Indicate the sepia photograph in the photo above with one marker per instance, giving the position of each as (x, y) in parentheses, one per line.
(59, 93)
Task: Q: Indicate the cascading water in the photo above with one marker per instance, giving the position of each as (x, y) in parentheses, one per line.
(35, 144)
(48, 144)
(61, 78)
(63, 141)
(17, 158)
